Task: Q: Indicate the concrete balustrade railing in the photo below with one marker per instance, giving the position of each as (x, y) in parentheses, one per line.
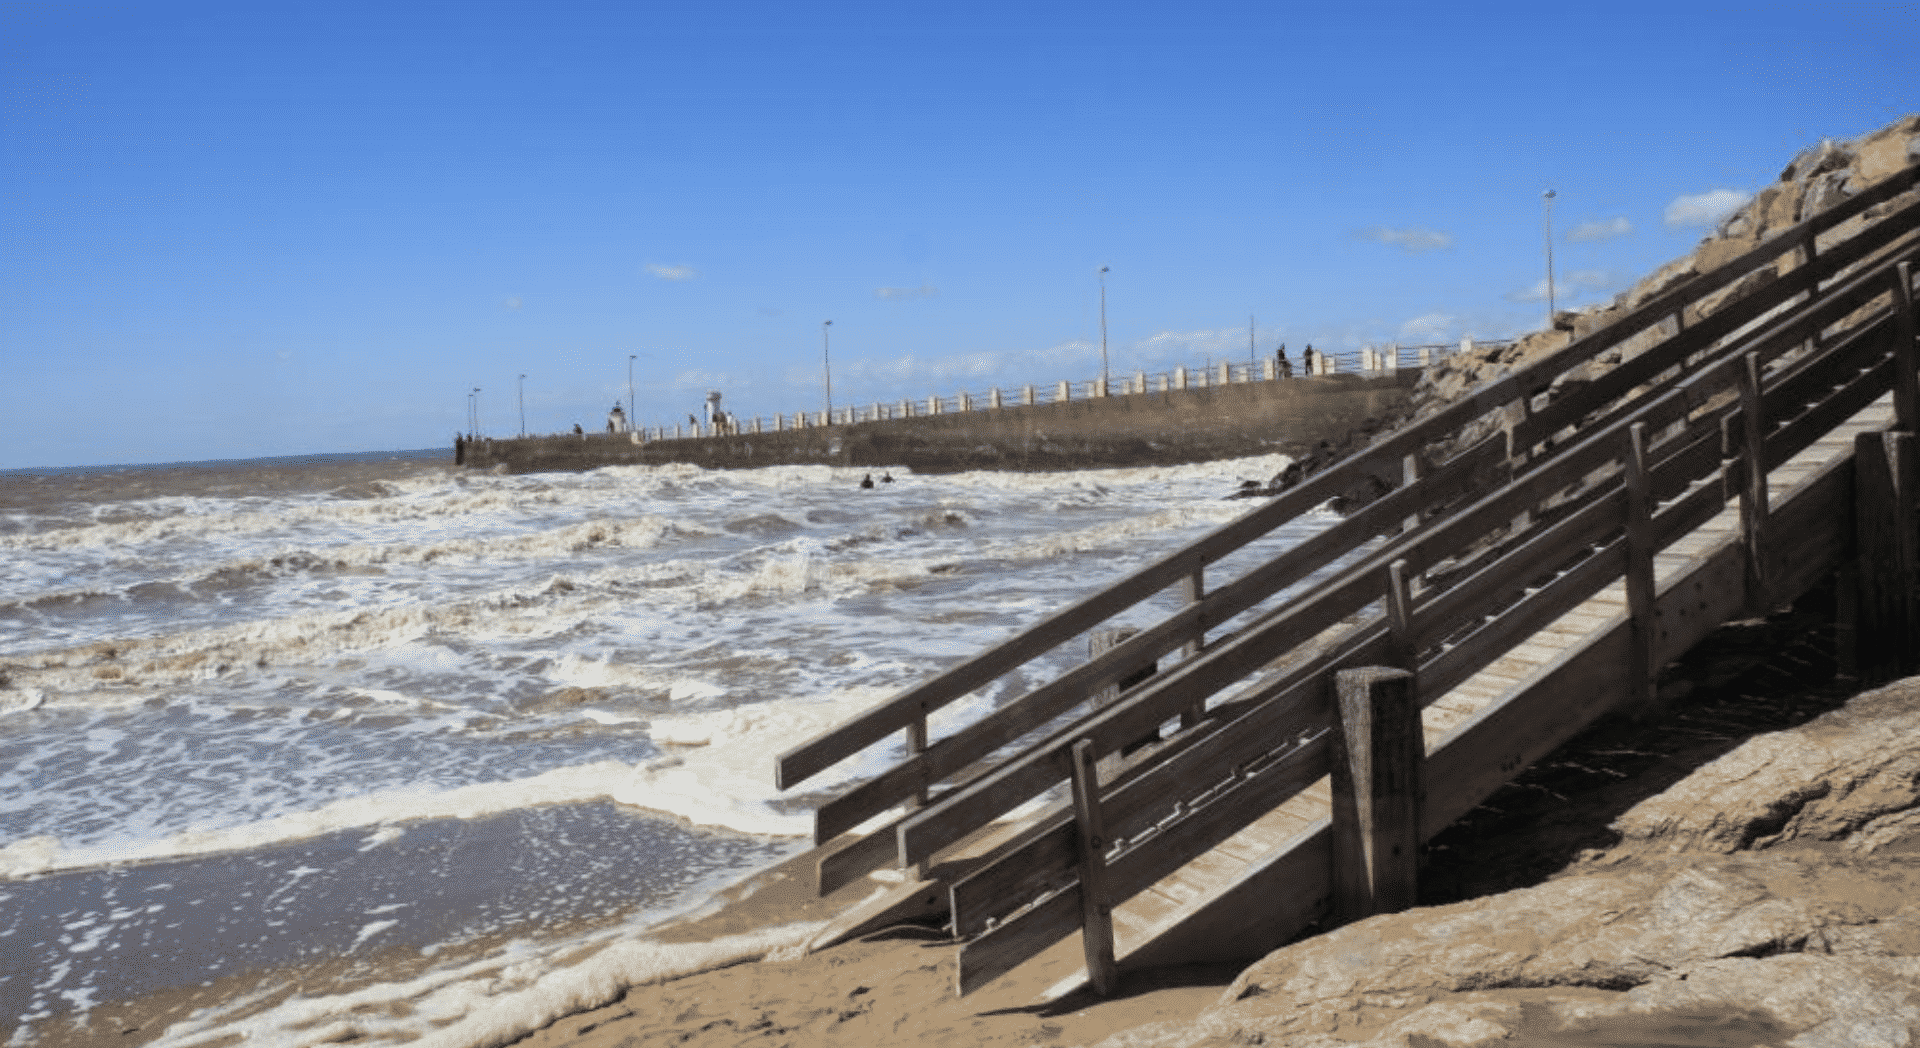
(1363, 361)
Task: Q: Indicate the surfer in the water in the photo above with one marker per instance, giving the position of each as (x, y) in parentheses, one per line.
(886, 478)
(866, 481)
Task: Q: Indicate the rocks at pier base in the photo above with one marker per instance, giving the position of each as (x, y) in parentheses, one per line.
(1771, 897)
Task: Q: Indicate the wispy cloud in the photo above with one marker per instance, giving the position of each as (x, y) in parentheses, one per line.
(1567, 286)
(1704, 209)
(923, 291)
(1413, 240)
(679, 272)
(511, 302)
(1429, 328)
(1607, 230)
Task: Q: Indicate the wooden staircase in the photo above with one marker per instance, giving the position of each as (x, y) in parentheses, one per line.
(1548, 544)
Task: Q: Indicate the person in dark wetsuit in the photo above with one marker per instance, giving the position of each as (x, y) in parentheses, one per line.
(866, 481)
(886, 478)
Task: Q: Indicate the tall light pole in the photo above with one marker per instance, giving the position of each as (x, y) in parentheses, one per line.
(630, 357)
(826, 367)
(469, 414)
(476, 411)
(1103, 330)
(1546, 200)
(523, 405)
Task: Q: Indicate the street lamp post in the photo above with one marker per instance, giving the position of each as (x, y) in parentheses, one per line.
(1547, 204)
(523, 405)
(1103, 330)
(476, 411)
(630, 357)
(826, 367)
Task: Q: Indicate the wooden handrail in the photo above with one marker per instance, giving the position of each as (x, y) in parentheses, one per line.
(946, 757)
(992, 894)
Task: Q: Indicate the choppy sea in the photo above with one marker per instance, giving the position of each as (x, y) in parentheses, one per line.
(276, 718)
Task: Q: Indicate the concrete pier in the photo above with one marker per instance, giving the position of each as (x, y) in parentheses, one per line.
(1166, 427)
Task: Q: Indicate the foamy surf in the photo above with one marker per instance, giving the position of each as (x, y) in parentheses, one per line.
(483, 1004)
(346, 676)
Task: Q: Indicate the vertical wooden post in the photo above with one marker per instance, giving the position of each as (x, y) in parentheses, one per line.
(1194, 587)
(1753, 497)
(1400, 618)
(1377, 789)
(917, 745)
(1906, 383)
(1099, 642)
(1096, 913)
(1846, 619)
(1885, 475)
(1642, 671)
(1409, 476)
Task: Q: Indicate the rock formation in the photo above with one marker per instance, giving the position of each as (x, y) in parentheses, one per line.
(1772, 896)
(1816, 179)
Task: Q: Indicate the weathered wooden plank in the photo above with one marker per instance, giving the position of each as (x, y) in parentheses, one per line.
(1814, 527)
(1683, 518)
(1000, 950)
(1523, 620)
(1508, 576)
(1884, 477)
(1796, 436)
(1135, 806)
(995, 952)
(1232, 660)
(974, 741)
(1376, 782)
(1489, 749)
(1090, 839)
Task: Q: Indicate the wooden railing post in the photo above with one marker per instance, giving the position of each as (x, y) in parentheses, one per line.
(1194, 588)
(1101, 641)
(1886, 471)
(1410, 470)
(1096, 910)
(1753, 497)
(1642, 672)
(1377, 769)
(1400, 618)
(1906, 383)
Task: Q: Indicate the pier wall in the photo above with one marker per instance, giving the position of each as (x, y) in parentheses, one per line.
(1158, 428)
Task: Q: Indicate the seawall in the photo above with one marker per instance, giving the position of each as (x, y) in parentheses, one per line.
(1289, 416)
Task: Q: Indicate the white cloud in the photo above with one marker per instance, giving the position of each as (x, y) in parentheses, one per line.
(1429, 328)
(1567, 286)
(1607, 230)
(512, 302)
(1705, 209)
(679, 272)
(1413, 240)
(923, 291)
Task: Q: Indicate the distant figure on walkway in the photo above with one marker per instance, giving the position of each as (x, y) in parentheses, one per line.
(694, 422)
(577, 431)
(1286, 366)
(866, 481)
(1309, 361)
(459, 450)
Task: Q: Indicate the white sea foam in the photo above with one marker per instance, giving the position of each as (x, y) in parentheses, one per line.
(480, 1004)
(718, 775)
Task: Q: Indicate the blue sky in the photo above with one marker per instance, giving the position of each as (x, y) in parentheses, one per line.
(268, 229)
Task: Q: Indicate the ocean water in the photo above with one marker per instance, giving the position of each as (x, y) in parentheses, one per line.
(438, 746)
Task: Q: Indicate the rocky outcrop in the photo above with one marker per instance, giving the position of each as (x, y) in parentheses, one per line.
(1850, 777)
(1743, 899)
(1816, 179)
